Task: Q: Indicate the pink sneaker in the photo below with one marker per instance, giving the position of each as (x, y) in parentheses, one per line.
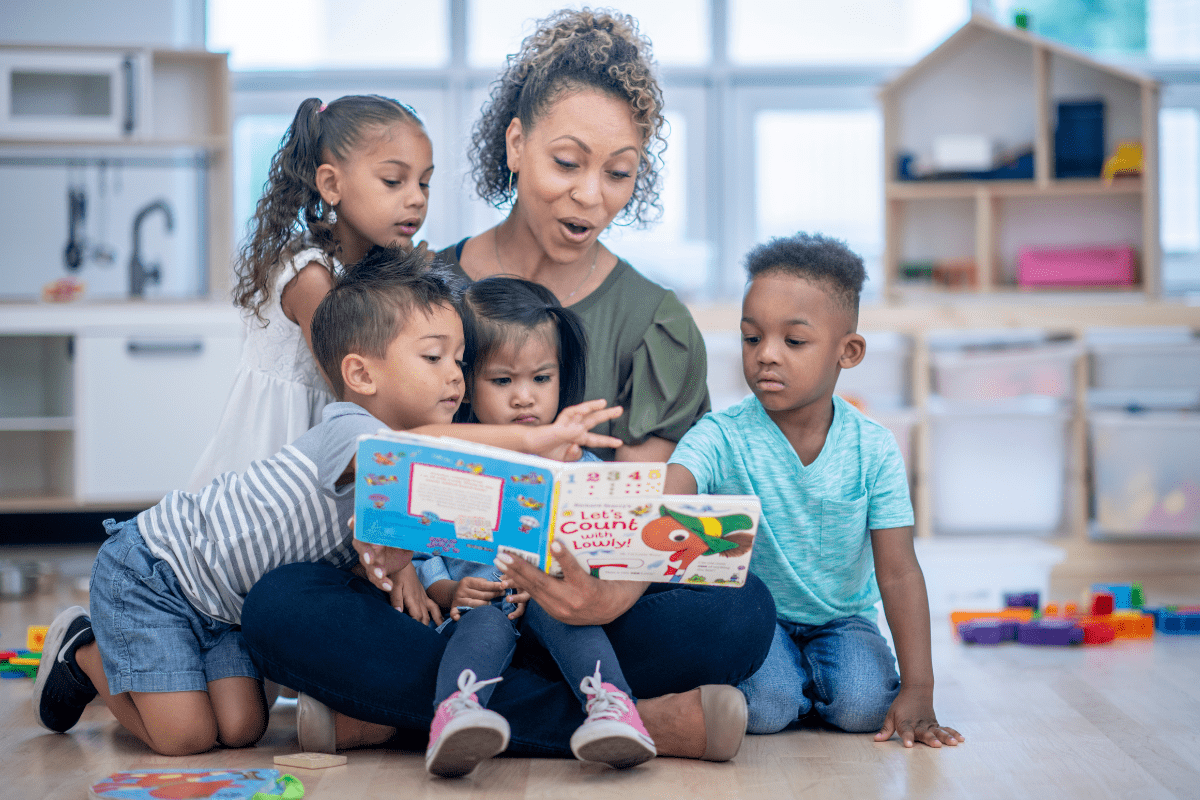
(613, 733)
(463, 732)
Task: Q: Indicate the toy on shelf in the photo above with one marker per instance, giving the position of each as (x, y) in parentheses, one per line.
(1127, 161)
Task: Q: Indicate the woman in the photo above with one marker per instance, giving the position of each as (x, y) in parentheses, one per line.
(572, 138)
(579, 148)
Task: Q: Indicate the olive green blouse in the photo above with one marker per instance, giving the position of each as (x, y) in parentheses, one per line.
(645, 353)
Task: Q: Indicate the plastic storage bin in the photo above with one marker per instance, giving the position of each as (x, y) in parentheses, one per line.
(1146, 473)
(1084, 266)
(993, 374)
(973, 574)
(999, 469)
(881, 382)
(1146, 365)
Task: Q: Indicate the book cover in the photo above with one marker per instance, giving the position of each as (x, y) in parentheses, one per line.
(462, 500)
(701, 540)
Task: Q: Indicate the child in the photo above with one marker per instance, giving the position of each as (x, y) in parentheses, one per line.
(836, 516)
(163, 647)
(527, 361)
(348, 176)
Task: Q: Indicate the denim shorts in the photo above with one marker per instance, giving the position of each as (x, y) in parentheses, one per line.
(151, 638)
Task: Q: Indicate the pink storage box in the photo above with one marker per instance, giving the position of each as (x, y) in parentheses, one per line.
(1084, 266)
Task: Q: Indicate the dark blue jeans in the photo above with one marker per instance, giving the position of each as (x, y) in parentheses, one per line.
(576, 649)
(331, 635)
(482, 640)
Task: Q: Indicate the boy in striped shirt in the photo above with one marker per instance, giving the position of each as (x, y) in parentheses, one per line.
(163, 645)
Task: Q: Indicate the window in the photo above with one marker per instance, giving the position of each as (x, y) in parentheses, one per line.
(775, 124)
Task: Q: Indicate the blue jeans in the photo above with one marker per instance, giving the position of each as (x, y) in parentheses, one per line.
(483, 641)
(843, 671)
(576, 649)
(331, 635)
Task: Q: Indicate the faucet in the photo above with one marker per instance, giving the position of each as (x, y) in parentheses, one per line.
(140, 274)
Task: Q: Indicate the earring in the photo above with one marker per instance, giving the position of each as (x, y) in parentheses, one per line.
(511, 175)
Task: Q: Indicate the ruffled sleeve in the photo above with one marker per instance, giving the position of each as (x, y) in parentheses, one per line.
(667, 389)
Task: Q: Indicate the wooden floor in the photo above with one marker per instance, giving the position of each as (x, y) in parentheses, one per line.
(1119, 721)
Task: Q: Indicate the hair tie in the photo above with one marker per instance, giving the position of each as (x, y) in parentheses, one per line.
(322, 108)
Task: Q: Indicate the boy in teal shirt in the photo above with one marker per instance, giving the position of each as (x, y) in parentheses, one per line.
(836, 528)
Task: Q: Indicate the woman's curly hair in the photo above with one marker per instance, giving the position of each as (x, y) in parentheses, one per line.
(572, 50)
(291, 215)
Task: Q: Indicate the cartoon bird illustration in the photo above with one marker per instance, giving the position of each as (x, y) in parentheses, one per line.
(379, 500)
(687, 537)
(385, 459)
(529, 502)
(640, 511)
(476, 468)
(528, 524)
(379, 480)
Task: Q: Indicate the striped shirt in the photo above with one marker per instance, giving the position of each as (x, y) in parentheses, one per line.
(282, 510)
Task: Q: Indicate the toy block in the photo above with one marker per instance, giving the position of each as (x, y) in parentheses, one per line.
(1019, 614)
(10, 670)
(1051, 610)
(24, 662)
(1050, 632)
(310, 760)
(1103, 604)
(5, 655)
(1022, 600)
(1122, 593)
(36, 637)
(1136, 598)
(1098, 633)
(1070, 609)
(1176, 624)
(1126, 624)
(989, 631)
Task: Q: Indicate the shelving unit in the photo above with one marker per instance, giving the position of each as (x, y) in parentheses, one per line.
(114, 102)
(1004, 83)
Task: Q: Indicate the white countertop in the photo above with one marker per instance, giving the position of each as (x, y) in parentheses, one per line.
(49, 319)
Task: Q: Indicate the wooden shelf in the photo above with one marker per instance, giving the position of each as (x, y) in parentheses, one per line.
(967, 190)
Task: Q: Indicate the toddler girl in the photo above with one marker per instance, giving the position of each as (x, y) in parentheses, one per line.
(526, 361)
(348, 175)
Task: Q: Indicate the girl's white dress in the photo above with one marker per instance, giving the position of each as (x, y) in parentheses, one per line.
(278, 392)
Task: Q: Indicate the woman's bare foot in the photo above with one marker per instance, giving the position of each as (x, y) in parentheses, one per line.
(676, 723)
(353, 733)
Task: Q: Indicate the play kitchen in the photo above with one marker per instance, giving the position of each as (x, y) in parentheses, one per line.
(105, 207)
(115, 170)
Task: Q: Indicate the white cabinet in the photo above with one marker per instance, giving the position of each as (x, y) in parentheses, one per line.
(109, 406)
(145, 406)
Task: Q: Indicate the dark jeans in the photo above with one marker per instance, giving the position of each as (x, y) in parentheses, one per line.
(331, 635)
(483, 641)
(576, 649)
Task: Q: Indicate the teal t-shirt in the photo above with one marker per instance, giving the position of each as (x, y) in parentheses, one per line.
(813, 548)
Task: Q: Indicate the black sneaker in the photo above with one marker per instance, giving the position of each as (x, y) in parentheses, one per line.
(59, 696)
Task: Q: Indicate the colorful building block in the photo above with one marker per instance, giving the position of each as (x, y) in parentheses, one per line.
(18, 661)
(1098, 633)
(989, 631)
(36, 637)
(1050, 632)
(1125, 595)
(1126, 624)
(1019, 614)
(1177, 624)
(5, 655)
(1022, 600)
(1051, 610)
(1103, 603)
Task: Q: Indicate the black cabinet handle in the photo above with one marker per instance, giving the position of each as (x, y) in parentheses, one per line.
(155, 347)
(130, 118)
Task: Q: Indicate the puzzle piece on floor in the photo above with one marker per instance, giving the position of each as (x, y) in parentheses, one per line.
(310, 760)
(35, 639)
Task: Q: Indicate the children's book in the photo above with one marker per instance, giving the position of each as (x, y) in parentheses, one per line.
(177, 784)
(463, 500)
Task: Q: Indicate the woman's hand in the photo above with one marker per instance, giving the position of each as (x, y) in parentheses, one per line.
(577, 598)
(564, 439)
